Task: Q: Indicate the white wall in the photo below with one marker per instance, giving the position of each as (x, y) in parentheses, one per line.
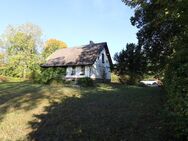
(95, 71)
(77, 72)
(99, 68)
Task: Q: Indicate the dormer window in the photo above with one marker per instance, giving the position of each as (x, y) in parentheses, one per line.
(102, 57)
(82, 72)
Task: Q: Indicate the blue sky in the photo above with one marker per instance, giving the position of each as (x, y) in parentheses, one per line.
(75, 22)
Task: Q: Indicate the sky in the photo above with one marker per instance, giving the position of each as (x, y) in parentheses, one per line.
(75, 22)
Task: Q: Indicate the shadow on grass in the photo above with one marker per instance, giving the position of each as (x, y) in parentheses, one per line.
(124, 114)
(15, 96)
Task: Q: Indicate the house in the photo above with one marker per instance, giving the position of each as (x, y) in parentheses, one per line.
(92, 60)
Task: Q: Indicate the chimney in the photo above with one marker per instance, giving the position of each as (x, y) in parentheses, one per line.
(91, 42)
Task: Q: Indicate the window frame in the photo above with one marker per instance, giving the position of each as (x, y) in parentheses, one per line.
(82, 70)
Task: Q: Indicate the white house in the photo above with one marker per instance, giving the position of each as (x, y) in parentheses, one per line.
(91, 60)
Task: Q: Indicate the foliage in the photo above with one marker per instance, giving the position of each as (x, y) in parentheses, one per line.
(130, 62)
(47, 75)
(132, 79)
(114, 78)
(10, 79)
(176, 82)
(29, 29)
(124, 79)
(163, 36)
(2, 56)
(85, 82)
(161, 23)
(3, 79)
(52, 45)
(21, 45)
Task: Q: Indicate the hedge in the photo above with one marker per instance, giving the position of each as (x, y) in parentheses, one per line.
(176, 84)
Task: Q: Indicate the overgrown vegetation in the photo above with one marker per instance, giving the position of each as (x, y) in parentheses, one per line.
(47, 75)
(162, 35)
(22, 52)
(130, 64)
(85, 82)
(176, 83)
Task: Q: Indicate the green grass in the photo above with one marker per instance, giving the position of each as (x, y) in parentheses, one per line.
(53, 113)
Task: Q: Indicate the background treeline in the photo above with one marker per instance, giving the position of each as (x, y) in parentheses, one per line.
(22, 50)
(161, 51)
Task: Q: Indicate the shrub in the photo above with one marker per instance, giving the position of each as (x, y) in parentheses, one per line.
(3, 79)
(114, 78)
(176, 84)
(130, 79)
(124, 79)
(47, 75)
(85, 82)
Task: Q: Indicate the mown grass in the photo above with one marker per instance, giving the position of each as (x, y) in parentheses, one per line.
(55, 113)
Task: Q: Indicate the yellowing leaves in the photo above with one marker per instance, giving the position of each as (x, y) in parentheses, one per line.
(55, 43)
(52, 45)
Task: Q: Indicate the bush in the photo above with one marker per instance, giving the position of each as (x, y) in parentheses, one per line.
(85, 82)
(114, 78)
(176, 84)
(47, 75)
(130, 79)
(124, 79)
(3, 79)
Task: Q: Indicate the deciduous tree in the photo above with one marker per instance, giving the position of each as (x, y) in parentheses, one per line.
(52, 45)
(21, 44)
(160, 23)
(163, 36)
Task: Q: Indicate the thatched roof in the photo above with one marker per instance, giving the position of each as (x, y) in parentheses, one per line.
(77, 56)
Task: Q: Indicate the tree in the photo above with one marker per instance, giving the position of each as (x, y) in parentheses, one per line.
(29, 29)
(22, 55)
(161, 23)
(52, 45)
(163, 36)
(131, 62)
(21, 44)
(2, 56)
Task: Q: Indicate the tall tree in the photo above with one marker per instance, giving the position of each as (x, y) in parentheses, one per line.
(21, 44)
(161, 23)
(52, 45)
(131, 62)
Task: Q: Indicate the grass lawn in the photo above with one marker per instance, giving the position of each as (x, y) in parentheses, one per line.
(107, 112)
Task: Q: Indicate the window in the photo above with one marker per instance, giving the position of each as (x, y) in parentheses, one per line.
(82, 72)
(102, 57)
(90, 71)
(73, 71)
